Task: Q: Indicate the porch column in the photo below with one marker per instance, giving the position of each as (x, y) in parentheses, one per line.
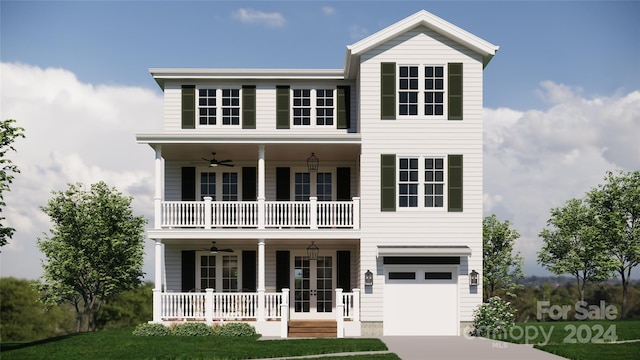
(261, 281)
(157, 290)
(340, 313)
(157, 197)
(261, 188)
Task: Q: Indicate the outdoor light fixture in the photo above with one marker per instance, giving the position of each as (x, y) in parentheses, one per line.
(312, 163)
(368, 278)
(312, 251)
(473, 278)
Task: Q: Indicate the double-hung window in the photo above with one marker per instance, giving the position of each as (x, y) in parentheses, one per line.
(313, 107)
(421, 90)
(421, 182)
(408, 182)
(218, 107)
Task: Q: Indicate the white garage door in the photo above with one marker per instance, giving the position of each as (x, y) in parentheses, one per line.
(420, 300)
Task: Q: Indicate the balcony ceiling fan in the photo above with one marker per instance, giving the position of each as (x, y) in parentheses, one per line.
(213, 162)
(214, 249)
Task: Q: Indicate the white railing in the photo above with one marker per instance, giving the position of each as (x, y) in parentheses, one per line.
(311, 214)
(351, 303)
(218, 306)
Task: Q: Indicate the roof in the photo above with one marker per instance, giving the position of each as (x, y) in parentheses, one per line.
(421, 18)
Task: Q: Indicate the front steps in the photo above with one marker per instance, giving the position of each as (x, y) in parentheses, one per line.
(313, 328)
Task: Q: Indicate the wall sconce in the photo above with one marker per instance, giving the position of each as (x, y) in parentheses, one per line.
(368, 278)
(312, 251)
(473, 278)
(312, 163)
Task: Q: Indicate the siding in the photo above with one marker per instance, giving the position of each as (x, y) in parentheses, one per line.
(420, 136)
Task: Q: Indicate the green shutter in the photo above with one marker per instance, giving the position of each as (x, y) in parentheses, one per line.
(248, 107)
(188, 183)
(388, 182)
(455, 182)
(282, 107)
(455, 91)
(388, 91)
(343, 108)
(188, 106)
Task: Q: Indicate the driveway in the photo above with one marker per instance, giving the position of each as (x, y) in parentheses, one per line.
(461, 347)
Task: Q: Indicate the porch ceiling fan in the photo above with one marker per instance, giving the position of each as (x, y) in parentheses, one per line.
(213, 162)
(214, 249)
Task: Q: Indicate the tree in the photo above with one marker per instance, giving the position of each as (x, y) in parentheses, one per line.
(617, 207)
(501, 268)
(571, 245)
(8, 134)
(95, 250)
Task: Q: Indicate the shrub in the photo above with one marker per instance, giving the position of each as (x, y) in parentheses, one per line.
(192, 329)
(493, 318)
(235, 329)
(147, 329)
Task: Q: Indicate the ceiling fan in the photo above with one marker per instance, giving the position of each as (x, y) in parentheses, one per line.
(213, 162)
(214, 249)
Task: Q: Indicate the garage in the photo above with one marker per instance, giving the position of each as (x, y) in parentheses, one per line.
(420, 300)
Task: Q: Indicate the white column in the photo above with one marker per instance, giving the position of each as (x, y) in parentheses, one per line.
(356, 213)
(157, 290)
(157, 197)
(284, 314)
(261, 188)
(207, 212)
(340, 313)
(261, 281)
(208, 306)
(313, 208)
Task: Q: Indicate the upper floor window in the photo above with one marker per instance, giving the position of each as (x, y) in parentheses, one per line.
(210, 185)
(219, 106)
(313, 107)
(420, 87)
(421, 177)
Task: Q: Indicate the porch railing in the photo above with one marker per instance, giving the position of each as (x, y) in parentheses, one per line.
(260, 214)
(221, 306)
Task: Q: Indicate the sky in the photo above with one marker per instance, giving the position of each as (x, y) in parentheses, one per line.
(561, 96)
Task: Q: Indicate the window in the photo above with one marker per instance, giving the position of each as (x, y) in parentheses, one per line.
(217, 272)
(229, 273)
(228, 105)
(229, 186)
(433, 182)
(207, 272)
(313, 101)
(219, 185)
(324, 107)
(438, 275)
(417, 181)
(414, 80)
(208, 185)
(302, 186)
(301, 107)
(323, 186)
(402, 275)
(408, 182)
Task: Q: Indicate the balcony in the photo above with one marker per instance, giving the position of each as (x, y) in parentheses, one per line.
(259, 214)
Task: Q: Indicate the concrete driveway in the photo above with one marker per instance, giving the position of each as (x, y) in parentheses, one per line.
(460, 347)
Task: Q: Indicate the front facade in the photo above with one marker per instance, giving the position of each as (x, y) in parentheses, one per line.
(350, 195)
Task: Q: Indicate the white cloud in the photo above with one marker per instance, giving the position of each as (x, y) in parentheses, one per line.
(251, 16)
(328, 10)
(75, 132)
(536, 160)
(357, 32)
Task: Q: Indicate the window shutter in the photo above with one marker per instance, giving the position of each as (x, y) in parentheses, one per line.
(249, 270)
(455, 182)
(188, 106)
(188, 184)
(282, 270)
(343, 270)
(248, 107)
(388, 182)
(283, 184)
(388, 91)
(283, 107)
(249, 192)
(343, 105)
(188, 270)
(455, 91)
(343, 184)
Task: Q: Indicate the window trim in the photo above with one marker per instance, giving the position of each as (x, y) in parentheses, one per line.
(313, 121)
(421, 183)
(218, 107)
(219, 270)
(219, 186)
(422, 91)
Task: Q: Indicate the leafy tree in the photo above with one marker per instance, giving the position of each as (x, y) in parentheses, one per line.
(617, 207)
(501, 268)
(95, 250)
(127, 309)
(24, 318)
(8, 134)
(572, 247)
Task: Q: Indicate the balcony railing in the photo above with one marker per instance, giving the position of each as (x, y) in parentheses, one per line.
(259, 214)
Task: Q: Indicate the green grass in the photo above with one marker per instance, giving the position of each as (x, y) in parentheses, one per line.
(121, 344)
(585, 340)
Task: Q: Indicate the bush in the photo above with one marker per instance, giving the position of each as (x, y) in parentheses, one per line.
(493, 318)
(192, 329)
(235, 329)
(147, 329)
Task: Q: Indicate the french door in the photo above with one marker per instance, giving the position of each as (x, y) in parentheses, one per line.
(313, 290)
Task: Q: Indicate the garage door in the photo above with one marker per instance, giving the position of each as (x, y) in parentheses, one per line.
(420, 301)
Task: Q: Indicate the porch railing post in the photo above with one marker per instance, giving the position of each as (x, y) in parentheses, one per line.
(157, 305)
(208, 306)
(261, 213)
(284, 314)
(261, 305)
(340, 313)
(356, 305)
(207, 212)
(313, 212)
(356, 213)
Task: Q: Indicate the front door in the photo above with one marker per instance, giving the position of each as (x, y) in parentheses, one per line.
(313, 282)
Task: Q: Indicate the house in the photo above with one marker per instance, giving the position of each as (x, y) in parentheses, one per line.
(347, 198)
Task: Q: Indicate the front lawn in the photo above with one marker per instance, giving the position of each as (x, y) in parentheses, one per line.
(121, 344)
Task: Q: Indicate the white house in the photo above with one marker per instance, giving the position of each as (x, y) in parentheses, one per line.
(342, 202)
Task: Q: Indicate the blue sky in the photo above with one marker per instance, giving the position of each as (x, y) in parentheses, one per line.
(562, 95)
